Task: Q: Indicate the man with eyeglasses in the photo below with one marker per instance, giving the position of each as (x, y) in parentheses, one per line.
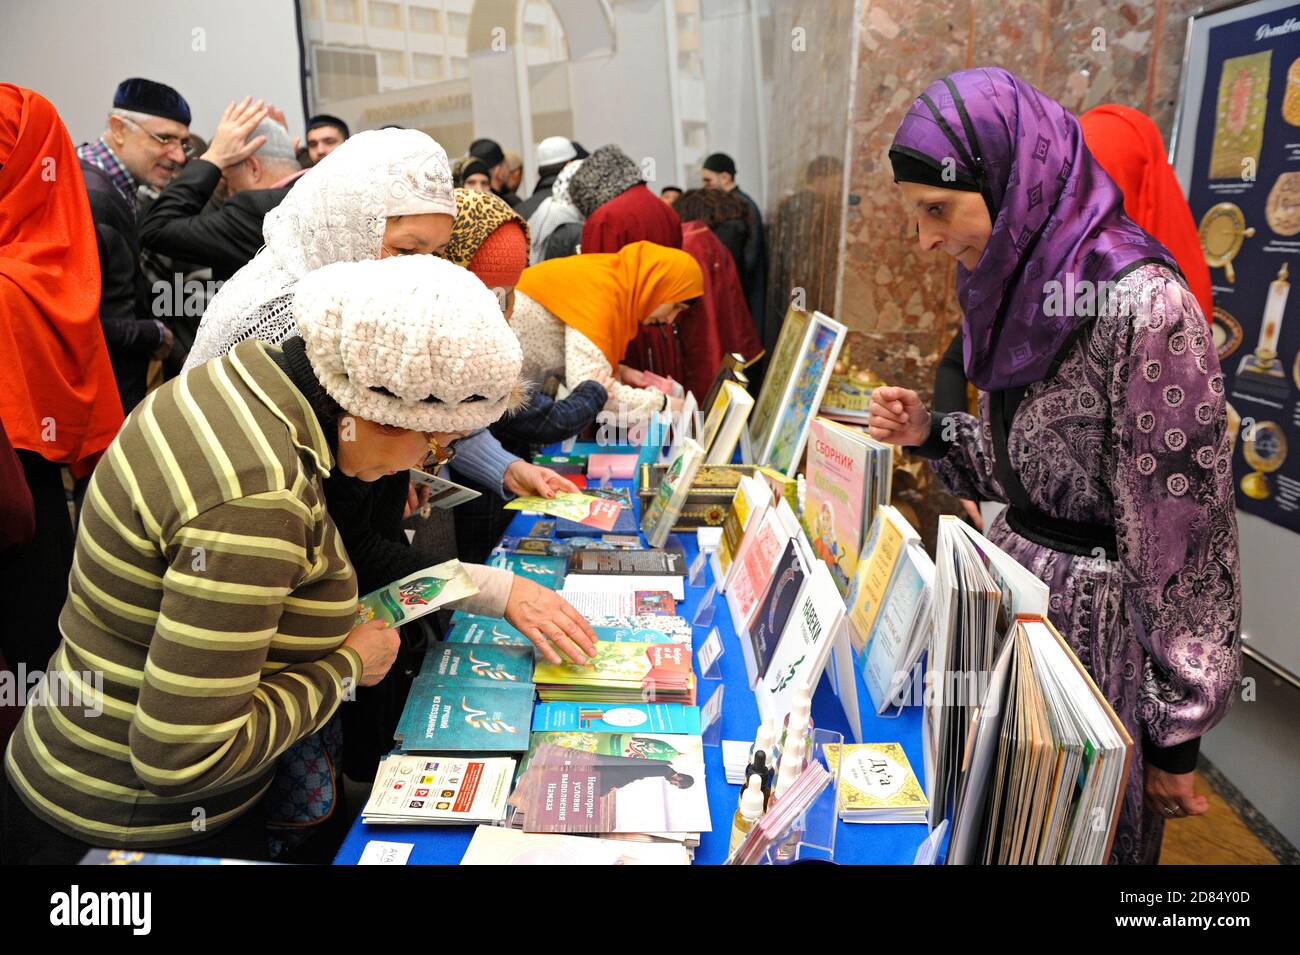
(143, 143)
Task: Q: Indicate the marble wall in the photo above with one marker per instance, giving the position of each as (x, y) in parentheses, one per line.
(899, 301)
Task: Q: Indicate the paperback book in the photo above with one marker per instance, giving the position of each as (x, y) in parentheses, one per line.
(423, 790)
(877, 784)
(418, 594)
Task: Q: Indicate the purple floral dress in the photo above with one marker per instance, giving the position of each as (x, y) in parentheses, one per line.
(1131, 431)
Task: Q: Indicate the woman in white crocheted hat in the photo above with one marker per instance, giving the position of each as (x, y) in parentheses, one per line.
(384, 192)
(212, 605)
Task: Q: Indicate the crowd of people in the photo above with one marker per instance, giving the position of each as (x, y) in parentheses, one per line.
(237, 348)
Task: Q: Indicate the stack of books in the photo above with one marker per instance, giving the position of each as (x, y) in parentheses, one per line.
(622, 673)
(439, 791)
(725, 421)
(469, 698)
(877, 784)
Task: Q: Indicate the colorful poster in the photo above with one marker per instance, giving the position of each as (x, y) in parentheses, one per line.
(1238, 154)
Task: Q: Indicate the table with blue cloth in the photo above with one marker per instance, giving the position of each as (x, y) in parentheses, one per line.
(879, 843)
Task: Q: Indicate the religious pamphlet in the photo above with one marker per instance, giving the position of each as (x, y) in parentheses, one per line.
(417, 594)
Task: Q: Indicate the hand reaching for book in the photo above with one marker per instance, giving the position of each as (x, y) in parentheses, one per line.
(550, 622)
(897, 416)
(523, 479)
(377, 644)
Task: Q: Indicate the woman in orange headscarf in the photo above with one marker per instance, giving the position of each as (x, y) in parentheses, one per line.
(576, 316)
(58, 397)
(1128, 145)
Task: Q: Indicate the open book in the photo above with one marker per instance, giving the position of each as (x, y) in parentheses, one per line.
(978, 592)
(1044, 780)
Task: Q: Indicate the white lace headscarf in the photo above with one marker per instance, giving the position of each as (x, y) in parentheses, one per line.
(334, 213)
(555, 210)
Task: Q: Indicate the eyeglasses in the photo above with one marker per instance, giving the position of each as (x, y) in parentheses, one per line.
(166, 140)
(437, 456)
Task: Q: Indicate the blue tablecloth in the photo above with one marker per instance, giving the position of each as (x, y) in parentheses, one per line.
(854, 843)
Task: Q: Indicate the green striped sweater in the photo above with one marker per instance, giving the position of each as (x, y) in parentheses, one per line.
(209, 597)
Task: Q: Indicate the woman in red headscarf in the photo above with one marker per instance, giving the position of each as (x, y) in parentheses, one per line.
(1128, 145)
(58, 398)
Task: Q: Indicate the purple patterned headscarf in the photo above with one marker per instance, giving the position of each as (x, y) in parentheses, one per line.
(1056, 214)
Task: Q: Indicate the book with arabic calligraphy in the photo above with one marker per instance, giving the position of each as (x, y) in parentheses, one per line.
(417, 594)
(465, 716)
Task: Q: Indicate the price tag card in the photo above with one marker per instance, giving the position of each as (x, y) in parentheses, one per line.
(711, 718)
(708, 654)
(704, 613)
(377, 852)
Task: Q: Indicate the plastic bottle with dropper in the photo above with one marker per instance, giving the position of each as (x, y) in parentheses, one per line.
(748, 813)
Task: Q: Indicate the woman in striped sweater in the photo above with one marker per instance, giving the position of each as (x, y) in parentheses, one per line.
(210, 617)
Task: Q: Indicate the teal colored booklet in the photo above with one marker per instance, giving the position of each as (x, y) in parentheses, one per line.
(542, 568)
(671, 718)
(452, 662)
(462, 716)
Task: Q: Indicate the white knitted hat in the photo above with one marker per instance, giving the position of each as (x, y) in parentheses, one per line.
(411, 341)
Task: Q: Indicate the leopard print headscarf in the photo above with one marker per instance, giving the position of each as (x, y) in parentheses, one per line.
(478, 215)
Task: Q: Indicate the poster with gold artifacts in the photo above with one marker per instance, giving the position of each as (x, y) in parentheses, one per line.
(1236, 152)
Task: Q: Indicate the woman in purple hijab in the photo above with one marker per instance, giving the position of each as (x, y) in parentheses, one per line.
(1102, 422)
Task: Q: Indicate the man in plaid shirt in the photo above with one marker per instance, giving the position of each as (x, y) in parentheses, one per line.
(142, 144)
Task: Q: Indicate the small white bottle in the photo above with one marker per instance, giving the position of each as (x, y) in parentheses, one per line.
(748, 813)
(800, 709)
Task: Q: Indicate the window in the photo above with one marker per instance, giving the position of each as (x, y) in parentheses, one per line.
(311, 9)
(424, 20)
(344, 73)
(459, 67)
(689, 64)
(385, 16)
(458, 24)
(535, 34)
(343, 11)
(392, 62)
(426, 66)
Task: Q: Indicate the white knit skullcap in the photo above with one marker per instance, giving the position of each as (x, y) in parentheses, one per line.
(411, 341)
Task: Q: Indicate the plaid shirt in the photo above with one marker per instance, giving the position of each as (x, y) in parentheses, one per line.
(99, 154)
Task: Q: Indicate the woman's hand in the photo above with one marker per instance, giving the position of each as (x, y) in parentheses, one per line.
(417, 499)
(377, 643)
(897, 416)
(532, 480)
(631, 377)
(1172, 795)
(550, 622)
(972, 510)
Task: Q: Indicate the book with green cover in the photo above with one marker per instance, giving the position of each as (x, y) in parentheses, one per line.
(622, 672)
(417, 594)
(659, 517)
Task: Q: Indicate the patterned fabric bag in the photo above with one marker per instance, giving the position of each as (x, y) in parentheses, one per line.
(304, 793)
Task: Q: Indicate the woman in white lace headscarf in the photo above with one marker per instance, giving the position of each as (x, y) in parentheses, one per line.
(383, 192)
(556, 210)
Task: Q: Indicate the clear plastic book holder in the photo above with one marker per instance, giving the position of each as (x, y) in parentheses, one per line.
(812, 838)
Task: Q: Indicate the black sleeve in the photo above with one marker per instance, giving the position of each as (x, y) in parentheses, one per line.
(124, 333)
(1177, 759)
(178, 226)
(950, 380)
(369, 518)
(546, 421)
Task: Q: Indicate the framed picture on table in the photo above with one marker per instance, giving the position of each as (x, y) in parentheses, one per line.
(781, 446)
(779, 370)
